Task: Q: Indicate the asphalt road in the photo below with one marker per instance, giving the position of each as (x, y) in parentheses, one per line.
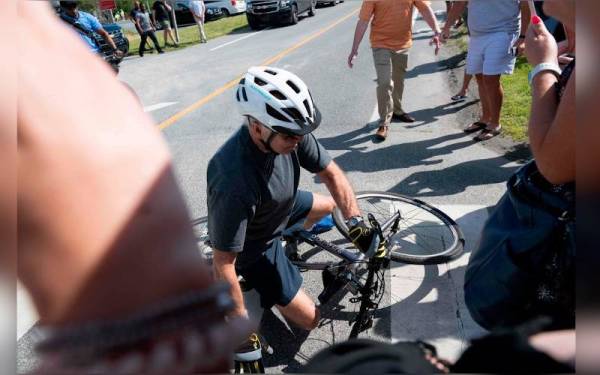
(189, 94)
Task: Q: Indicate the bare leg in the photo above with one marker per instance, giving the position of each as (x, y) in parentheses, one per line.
(170, 32)
(495, 95)
(485, 105)
(301, 311)
(321, 206)
(465, 86)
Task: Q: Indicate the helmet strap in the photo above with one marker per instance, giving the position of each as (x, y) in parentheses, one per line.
(267, 144)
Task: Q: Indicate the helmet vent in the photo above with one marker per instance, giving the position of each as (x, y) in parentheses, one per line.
(278, 94)
(275, 113)
(242, 81)
(305, 102)
(237, 94)
(293, 86)
(244, 94)
(293, 113)
(259, 81)
(270, 72)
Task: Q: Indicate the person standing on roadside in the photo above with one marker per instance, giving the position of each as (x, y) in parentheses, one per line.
(132, 17)
(143, 23)
(497, 29)
(198, 9)
(391, 39)
(160, 16)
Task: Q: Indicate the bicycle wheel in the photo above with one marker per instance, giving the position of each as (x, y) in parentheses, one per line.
(200, 227)
(426, 235)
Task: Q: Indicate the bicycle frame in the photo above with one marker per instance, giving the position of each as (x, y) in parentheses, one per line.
(346, 276)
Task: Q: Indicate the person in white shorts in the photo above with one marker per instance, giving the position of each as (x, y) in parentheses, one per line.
(198, 9)
(497, 30)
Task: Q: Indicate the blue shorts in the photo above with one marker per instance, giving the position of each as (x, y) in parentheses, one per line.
(273, 276)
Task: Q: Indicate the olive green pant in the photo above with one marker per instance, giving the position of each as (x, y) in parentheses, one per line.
(390, 67)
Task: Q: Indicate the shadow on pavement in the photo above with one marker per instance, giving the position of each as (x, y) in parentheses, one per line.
(457, 178)
(444, 316)
(286, 343)
(403, 155)
(437, 65)
(429, 115)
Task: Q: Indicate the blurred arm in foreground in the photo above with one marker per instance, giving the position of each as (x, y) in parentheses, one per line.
(103, 229)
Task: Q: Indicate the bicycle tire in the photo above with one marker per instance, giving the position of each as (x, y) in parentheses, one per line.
(447, 231)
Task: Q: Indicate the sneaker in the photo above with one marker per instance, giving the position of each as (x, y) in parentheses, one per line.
(323, 225)
(161, 51)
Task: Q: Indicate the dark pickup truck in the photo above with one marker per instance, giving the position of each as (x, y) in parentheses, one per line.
(262, 12)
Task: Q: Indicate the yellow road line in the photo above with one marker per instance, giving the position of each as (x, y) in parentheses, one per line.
(176, 117)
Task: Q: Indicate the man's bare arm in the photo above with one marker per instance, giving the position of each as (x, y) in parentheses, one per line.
(224, 268)
(340, 189)
(452, 17)
(428, 15)
(359, 33)
(107, 38)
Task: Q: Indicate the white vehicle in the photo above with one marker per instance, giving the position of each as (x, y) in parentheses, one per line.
(229, 7)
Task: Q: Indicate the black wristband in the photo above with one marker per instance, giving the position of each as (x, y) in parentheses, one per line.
(522, 36)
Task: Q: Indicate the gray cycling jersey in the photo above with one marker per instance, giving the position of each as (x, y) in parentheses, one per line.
(251, 193)
(491, 16)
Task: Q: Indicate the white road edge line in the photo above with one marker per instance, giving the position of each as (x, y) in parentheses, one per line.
(154, 107)
(238, 39)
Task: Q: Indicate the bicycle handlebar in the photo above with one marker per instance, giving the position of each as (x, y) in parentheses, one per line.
(378, 238)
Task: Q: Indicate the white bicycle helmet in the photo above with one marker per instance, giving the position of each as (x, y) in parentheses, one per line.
(279, 100)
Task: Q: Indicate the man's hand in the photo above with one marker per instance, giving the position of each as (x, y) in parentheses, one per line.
(520, 46)
(351, 58)
(361, 236)
(436, 42)
(445, 34)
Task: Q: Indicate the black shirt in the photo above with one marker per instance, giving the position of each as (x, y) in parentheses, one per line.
(161, 11)
(251, 193)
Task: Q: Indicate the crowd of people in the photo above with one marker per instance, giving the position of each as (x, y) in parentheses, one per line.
(103, 182)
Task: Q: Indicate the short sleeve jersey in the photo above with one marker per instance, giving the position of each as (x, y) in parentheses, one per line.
(391, 22)
(144, 20)
(251, 193)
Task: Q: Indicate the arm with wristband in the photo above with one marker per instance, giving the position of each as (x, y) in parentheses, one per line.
(551, 124)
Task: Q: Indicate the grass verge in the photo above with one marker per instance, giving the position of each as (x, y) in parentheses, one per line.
(517, 93)
(189, 35)
(517, 101)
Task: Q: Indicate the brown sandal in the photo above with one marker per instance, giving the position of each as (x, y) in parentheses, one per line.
(475, 127)
(382, 132)
(487, 134)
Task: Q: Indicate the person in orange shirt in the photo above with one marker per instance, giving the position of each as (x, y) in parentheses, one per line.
(391, 39)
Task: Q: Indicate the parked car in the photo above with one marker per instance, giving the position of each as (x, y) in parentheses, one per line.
(228, 7)
(116, 33)
(260, 12)
(184, 16)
